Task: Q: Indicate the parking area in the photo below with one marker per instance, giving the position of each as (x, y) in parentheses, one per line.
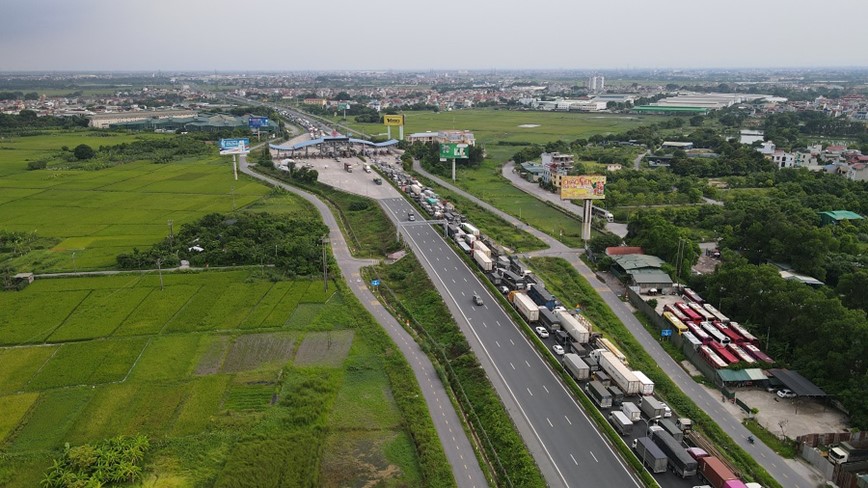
(790, 417)
(333, 173)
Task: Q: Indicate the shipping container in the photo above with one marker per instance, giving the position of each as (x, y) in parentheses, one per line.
(549, 320)
(646, 385)
(621, 423)
(631, 410)
(651, 407)
(650, 455)
(681, 463)
(542, 297)
(617, 370)
(715, 472)
(482, 260)
(481, 247)
(577, 368)
(599, 394)
(607, 344)
(525, 306)
(571, 326)
(470, 229)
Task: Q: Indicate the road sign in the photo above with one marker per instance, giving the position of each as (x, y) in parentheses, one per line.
(375, 282)
(234, 143)
(453, 151)
(343, 106)
(666, 333)
(257, 122)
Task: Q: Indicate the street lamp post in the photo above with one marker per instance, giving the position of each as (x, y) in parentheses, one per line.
(648, 423)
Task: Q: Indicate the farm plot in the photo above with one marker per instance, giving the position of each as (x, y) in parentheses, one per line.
(152, 314)
(255, 351)
(369, 458)
(262, 310)
(203, 401)
(18, 365)
(324, 348)
(52, 416)
(170, 357)
(14, 408)
(29, 316)
(99, 314)
(88, 363)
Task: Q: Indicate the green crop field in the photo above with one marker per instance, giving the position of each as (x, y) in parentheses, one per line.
(97, 215)
(127, 371)
(214, 366)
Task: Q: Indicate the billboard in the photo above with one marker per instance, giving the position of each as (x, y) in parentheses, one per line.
(234, 143)
(586, 187)
(453, 151)
(343, 106)
(393, 120)
(257, 122)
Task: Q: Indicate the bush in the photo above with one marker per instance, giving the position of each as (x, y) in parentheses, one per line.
(39, 164)
(83, 152)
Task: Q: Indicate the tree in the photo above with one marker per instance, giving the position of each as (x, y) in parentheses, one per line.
(853, 288)
(83, 152)
(696, 120)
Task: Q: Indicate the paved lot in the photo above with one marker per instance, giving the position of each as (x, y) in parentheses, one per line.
(332, 173)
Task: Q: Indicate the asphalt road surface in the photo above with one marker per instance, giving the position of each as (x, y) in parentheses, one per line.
(460, 454)
(563, 440)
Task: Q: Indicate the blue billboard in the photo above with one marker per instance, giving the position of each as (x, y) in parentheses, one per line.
(257, 122)
(234, 143)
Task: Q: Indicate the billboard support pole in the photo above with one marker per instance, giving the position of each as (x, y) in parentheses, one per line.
(234, 167)
(389, 131)
(453, 170)
(586, 220)
(400, 132)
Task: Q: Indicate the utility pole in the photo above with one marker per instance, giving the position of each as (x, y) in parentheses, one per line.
(325, 264)
(171, 233)
(160, 271)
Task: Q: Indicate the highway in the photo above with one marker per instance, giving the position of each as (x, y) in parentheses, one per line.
(563, 440)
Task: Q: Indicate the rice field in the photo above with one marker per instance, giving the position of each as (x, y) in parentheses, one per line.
(220, 354)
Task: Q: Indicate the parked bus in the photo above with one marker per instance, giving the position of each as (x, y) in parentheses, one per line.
(756, 353)
(734, 336)
(741, 354)
(691, 314)
(677, 324)
(692, 296)
(715, 334)
(698, 332)
(705, 314)
(724, 353)
(748, 337)
(676, 312)
(717, 315)
(711, 357)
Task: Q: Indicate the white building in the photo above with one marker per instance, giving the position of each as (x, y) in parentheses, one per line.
(783, 159)
(555, 165)
(596, 83)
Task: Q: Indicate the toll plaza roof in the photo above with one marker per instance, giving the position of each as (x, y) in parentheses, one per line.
(800, 385)
(323, 140)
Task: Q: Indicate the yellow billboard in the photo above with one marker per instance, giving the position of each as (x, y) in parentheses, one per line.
(393, 120)
(586, 187)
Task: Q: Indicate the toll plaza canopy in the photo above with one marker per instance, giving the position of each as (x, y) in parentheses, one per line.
(799, 385)
(332, 139)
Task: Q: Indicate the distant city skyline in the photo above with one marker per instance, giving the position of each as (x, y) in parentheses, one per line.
(274, 35)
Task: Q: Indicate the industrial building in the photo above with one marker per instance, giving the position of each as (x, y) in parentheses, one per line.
(104, 120)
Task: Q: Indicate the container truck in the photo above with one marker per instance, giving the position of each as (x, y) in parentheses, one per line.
(548, 319)
(669, 426)
(651, 407)
(572, 327)
(482, 260)
(607, 344)
(480, 246)
(617, 395)
(603, 378)
(470, 229)
(620, 373)
(525, 306)
(599, 394)
(685, 424)
(715, 472)
(513, 280)
(415, 189)
(621, 423)
(646, 385)
(578, 368)
(681, 463)
(631, 411)
(650, 455)
(542, 297)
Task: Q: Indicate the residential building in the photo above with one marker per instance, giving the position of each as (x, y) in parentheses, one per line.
(783, 159)
(858, 172)
(596, 83)
(555, 166)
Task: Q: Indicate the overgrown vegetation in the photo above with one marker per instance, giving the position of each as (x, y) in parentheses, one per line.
(292, 244)
(112, 461)
(406, 288)
(570, 287)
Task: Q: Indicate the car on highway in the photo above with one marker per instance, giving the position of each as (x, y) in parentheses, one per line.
(558, 349)
(477, 299)
(542, 332)
(786, 393)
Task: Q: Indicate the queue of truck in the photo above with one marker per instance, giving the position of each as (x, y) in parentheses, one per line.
(624, 394)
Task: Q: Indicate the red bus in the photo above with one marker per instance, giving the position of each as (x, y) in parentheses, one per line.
(711, 358)
(728, 332)
(691, 295)
(724, 353)
(675, 311)
(741, 354)
(698, 332)
(691, 314)
(748, 337)
(756, 353)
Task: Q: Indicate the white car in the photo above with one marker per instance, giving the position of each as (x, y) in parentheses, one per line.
(786, 393)
(558, 349)
(542, 332)
(667, 412)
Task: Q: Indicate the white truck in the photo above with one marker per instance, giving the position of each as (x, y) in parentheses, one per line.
(578, 368)
(470, 229)
(482, 260)
(617, 371)
(525, 306)
(479, 245)
(647, 386)
(571, 326)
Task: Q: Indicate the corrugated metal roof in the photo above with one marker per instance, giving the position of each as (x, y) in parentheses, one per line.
(799, 384)
(637, 261)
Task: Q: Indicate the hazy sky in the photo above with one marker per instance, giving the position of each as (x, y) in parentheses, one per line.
(432, 34)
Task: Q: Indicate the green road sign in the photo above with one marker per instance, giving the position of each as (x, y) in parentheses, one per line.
(453, 151)
(343, 106)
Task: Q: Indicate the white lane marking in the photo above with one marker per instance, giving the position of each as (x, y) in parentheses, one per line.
(574, 460)
(531, 393)
(544, 388)
(527, 363)
(453, 280)
(498, 344)
(498, 323)
(465, 279)
(484, 325)
(510, 341)
(513, 366)
(568, 420)
(592, 455)
(550, 422)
